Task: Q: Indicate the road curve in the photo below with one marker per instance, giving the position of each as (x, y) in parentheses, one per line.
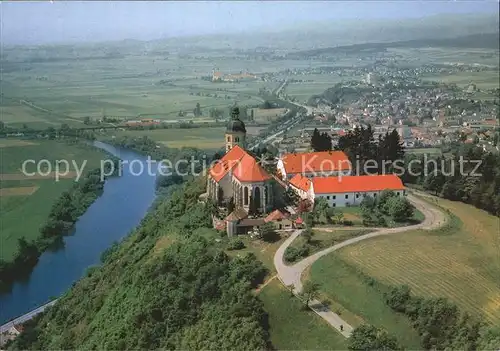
(291, 275)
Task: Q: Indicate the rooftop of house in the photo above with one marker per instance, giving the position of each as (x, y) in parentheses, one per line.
(351, 184)
(300, 182)
(322, 161)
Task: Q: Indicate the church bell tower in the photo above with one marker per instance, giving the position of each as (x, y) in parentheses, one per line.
(235, 131)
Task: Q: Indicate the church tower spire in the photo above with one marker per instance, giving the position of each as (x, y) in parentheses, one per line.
(235, 131)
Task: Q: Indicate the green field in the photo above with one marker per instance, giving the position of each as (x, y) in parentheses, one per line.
(322, 239)
(131, 87)
(340, 282)
(483, 80)
(459, 262)
(314, 84)
(203, 138)
(292, 327)
(16, 207)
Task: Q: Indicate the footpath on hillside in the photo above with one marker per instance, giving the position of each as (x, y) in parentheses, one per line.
(291, 275)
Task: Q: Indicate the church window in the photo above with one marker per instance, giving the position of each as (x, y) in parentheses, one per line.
(228, 138)
(245, 196)
(236, 139)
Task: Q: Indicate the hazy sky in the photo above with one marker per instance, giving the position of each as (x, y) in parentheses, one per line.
(66, 21)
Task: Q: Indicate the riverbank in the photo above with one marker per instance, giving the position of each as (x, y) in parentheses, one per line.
(104, 221)
(53, 206)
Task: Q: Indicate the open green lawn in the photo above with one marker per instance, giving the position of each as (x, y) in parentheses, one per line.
(292, 327)
(322, 239)
(340, 282)
(22, 214)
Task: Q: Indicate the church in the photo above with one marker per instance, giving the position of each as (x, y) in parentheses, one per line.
(238, 177)
(240, 184)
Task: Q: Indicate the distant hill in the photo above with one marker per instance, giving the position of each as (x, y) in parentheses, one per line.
(482, 40)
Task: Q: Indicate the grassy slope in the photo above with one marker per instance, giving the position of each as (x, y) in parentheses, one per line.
(340, 283)
(460, 262)
(22, 216)
(294, 328)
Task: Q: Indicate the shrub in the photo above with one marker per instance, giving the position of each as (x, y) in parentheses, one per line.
(235, 244)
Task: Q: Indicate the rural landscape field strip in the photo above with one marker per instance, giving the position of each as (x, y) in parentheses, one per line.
(439, 264)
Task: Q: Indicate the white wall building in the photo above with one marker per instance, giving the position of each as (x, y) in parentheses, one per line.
(348, 190)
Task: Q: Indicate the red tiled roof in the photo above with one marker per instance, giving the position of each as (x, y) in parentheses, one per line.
(325, 161)
(300, 182)
(275, 215)
(248, 170)
(351, 184)
(299, 221)
(244, 167)
(226, 163)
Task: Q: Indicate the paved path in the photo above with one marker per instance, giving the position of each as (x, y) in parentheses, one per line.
(291, 275)
(26, 317)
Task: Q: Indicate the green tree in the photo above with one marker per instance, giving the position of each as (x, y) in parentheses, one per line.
(310, 291)
(400, 209)
(368, 338)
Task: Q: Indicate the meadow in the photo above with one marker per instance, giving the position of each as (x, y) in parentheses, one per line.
(314, 84)
(16, 205)
(293, 327)
(202, 138)
(459, 262)
(484, 80)
(129, 87)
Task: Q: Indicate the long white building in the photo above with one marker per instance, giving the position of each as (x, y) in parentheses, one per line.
(346, 190)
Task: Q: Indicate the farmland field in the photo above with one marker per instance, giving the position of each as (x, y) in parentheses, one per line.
(483, 80)
(314, 84)
(203, 138)
(31, 197)
(461, 263)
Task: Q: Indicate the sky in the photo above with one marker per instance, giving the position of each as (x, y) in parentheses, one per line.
(46, 22)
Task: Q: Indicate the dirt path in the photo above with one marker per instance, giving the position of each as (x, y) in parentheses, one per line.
(291, 275)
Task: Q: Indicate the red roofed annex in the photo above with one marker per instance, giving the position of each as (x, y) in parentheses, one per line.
(314, 164)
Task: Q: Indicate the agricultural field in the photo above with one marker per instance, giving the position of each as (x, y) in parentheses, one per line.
(314, 84)
(267, 115)
(460, 262)
(203, 138)
(23, 197)
(293, 327)
(448, 55)
(483, 80)
(134, 86)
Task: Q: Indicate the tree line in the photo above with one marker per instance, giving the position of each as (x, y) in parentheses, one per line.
(363, 150)
(188, 295)
(470, 175)
(63, 215)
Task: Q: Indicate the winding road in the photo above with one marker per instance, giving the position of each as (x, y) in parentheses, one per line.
(291, 275)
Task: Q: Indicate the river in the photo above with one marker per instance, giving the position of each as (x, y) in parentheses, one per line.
(124, 202)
